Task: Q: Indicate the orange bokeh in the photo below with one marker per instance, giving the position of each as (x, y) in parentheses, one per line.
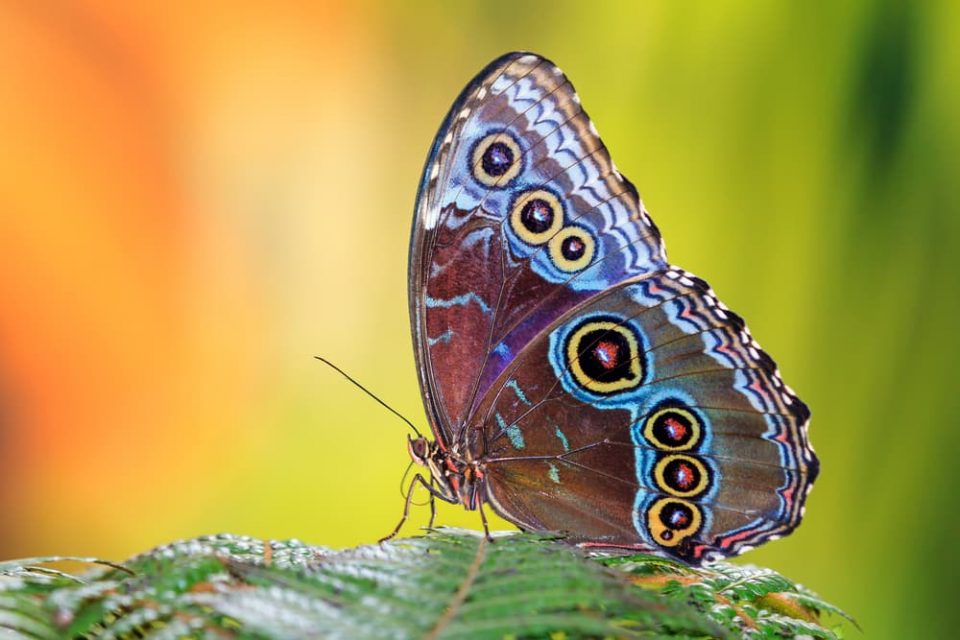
(115, 358)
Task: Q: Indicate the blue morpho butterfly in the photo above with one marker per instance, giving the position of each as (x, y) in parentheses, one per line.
(574, 379)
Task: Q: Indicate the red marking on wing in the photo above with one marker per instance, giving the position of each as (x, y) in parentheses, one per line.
(677, 430)
(684, 476)
(606, 353)
(729, 540)
(724, 348)
(788, 494)
(758, 387)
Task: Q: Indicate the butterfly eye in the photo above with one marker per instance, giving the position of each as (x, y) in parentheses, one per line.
(605, 357)
(671, 521)
(681, 476)
(572, 249)
(418, 450)
(496, 160)
(536, 216)
(673, 429)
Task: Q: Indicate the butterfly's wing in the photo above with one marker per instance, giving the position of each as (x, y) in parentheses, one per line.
(520, 216)
(648, 418)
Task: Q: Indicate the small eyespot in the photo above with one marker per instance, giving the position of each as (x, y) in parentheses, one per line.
(681, 476)
(496, 160)
(605, 356)
(673, 428)
(536, 216)
(572, 249)
(671, 521)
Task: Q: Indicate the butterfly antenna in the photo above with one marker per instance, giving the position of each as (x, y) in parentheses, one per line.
(405, 488)
(369, 393)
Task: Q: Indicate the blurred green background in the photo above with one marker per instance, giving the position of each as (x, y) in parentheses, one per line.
(195, 201)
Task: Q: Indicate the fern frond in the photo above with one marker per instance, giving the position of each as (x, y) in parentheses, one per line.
(446, 584)
(752, 601)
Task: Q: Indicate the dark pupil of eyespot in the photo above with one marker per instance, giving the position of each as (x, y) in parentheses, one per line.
(497, 159)
(537, 215)
(672, 429)
(573, 248)
(676, 516)
(605, 356)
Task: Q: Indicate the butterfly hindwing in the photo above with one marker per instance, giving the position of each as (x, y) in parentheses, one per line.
(652, 420)
(521, 216)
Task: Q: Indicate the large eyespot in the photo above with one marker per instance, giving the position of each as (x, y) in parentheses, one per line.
(496, 160)
(536, 216)
(605, 356)
(673, 429)
(671, 521)
(572, 248)
(681, 476)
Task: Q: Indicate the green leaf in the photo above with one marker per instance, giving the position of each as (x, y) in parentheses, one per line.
(446, 584)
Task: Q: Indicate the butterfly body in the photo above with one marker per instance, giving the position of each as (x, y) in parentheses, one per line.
(576, 381)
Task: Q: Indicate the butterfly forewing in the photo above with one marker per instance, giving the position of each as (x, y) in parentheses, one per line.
(521, 216)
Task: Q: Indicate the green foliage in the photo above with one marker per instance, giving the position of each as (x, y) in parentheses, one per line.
(447, 584)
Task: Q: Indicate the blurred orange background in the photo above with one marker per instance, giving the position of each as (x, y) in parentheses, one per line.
(196, 200)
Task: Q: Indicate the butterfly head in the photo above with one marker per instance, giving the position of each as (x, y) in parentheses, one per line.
(440, 463)
(455, 479)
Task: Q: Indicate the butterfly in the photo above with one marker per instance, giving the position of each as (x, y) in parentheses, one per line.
(576, 381)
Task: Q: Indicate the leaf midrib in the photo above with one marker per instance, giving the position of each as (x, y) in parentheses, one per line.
(461, 595)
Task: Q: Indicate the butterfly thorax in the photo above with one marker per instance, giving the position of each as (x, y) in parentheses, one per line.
(455, 478)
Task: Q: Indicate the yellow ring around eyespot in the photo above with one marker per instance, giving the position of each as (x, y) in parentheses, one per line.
(657, 528)
(477, 160)
(556, 246)
(574, 349)
(661, 480)
(691, 418)
(525, 234)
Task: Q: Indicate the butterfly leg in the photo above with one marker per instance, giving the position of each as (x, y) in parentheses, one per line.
(433, 507)
(434, 494)
(483, 519)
